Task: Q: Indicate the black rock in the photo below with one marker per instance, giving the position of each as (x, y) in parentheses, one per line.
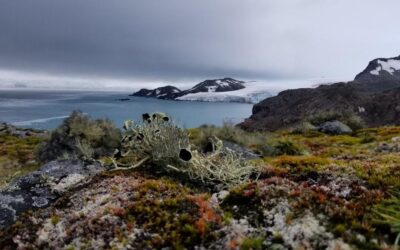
(41, 188)
(123, 99)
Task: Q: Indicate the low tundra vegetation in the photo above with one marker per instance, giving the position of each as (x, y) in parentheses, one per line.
(306, 191)
(80, 137)
(17, 157)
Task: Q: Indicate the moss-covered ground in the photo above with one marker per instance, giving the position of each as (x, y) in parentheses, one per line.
(315, 191)
(17, 157)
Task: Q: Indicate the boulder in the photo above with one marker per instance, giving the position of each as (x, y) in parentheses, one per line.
(334, 128)
(244, 152)
(41, 188)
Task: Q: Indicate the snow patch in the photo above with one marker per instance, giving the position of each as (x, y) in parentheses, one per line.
(211, 88)
(390, 66)
(252, 93)
(223, 83)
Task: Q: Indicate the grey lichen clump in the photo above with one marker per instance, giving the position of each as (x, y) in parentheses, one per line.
(161, 144)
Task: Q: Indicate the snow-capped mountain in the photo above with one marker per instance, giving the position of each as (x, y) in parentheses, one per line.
(373, 97)
(216, 85)
(251, 93)
(166, 92)
(381, 69)
(217, 90)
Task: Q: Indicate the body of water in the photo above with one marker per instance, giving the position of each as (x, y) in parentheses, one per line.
(47, 109)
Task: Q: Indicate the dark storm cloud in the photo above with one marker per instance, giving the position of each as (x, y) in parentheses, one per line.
(125, 37)
(183, 39)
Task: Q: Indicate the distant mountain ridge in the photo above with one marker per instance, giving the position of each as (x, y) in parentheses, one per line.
(374, 96)
(216, 85)
(218, 90)
(381, 69)
(167, 92)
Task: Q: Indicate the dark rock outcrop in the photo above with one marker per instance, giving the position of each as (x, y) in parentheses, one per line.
(41, 188)
(373, 97)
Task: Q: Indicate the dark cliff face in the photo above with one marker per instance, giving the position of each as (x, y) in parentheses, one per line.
(383, 109)
(374, 97)
(293, 106)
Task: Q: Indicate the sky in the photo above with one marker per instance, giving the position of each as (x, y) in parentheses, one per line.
(128, 44)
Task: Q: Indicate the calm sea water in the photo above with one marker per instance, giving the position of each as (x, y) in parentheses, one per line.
(47, 109)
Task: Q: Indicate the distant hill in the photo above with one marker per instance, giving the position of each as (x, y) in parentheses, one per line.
(217, 90)
(374, 97)
(167, 92)
(216, 85)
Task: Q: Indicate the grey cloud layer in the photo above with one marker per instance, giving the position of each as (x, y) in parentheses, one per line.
(182, 39)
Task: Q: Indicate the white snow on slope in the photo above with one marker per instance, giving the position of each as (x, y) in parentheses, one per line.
(211, 88)
(223, 83)
(253, 93)
(390, 66)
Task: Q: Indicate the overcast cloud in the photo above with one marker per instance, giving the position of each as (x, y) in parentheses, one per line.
(134, 43)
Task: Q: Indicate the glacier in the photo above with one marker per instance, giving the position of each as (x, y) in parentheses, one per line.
(253, 93)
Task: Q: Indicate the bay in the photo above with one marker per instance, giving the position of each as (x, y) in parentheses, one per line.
(47, 109)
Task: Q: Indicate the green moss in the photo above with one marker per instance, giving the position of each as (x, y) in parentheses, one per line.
(340, 229)
(388, 212)
(169, 210)
(54, 220)
(377, 174)
(252, 243)
(287, 147)
(299, 163)
(17, 157)
(227, 217)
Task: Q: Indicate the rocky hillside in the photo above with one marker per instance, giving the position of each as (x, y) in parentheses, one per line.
(372, 98)
(381, 69)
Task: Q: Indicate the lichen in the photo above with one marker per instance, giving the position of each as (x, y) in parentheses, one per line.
(160, 143)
